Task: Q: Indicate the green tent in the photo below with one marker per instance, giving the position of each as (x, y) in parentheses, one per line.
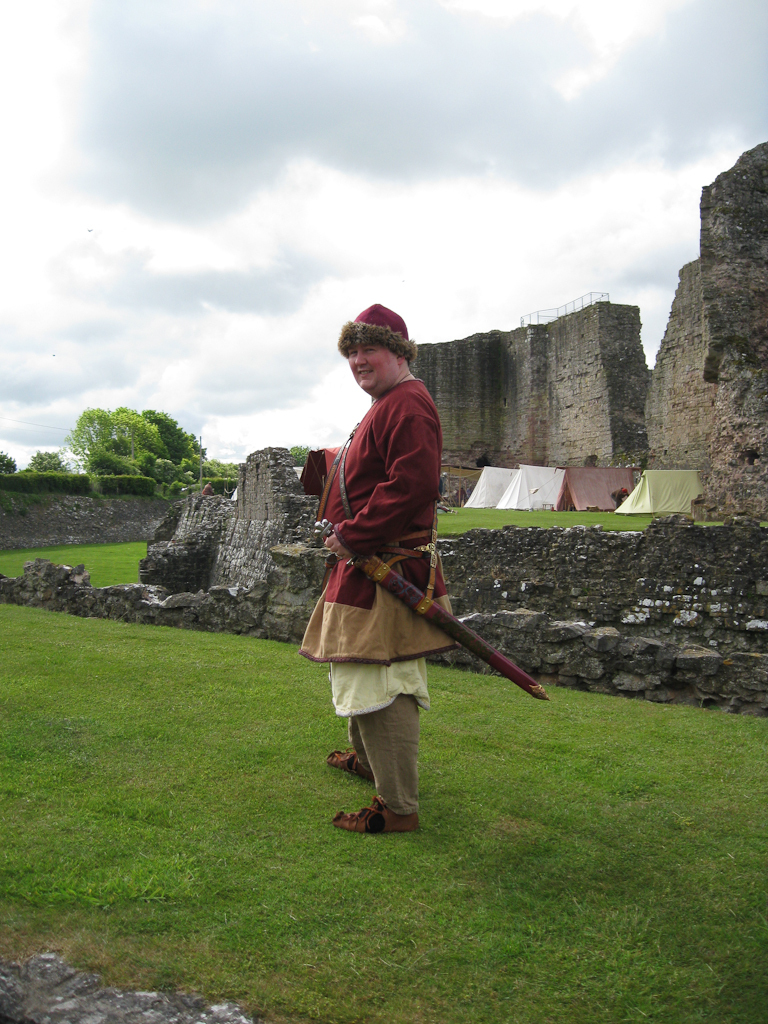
(662, 492)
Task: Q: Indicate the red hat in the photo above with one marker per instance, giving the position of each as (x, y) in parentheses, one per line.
(380, 316)
(378, 325)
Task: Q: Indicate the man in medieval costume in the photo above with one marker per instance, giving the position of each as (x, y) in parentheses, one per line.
(381, 500)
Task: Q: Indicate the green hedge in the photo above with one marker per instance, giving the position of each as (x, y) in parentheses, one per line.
(45, 483)
(126, 485)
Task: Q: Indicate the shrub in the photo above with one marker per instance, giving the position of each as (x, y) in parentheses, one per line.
(48, 462)
(147, 463)
(165, 471)
(46, 483)
(143, 485)
(105, 463)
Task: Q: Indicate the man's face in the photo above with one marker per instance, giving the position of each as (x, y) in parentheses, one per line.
(376, 369)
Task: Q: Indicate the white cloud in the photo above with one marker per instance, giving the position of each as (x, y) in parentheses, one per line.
(471, 194)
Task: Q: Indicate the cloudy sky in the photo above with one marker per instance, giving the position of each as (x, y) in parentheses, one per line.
(197, 195)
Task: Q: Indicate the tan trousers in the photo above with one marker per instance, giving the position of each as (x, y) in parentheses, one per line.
(387, 743)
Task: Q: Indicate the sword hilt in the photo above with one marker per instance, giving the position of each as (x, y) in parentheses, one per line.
(323, 528)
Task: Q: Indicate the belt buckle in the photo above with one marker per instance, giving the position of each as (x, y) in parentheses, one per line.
(432, 549)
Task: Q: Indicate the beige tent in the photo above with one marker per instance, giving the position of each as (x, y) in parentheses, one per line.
(662, 492)
(489, 488)
(533, 487)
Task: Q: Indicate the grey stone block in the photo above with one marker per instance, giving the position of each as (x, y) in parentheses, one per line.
(45, 990)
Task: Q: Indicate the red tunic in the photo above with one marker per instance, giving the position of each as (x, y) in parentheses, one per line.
(392, 476)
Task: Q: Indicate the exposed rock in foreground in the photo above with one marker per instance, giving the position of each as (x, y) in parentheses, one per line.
(46, 990)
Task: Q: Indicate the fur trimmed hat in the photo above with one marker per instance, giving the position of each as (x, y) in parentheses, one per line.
(378, 325)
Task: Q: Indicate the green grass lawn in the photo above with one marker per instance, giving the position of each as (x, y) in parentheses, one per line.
(108, 564)
(165, 815)
(463, 519)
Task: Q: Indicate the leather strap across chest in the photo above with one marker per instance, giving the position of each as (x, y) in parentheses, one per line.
(391, 553)
(339, 461)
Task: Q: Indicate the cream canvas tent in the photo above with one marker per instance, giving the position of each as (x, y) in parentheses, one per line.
(490, 487)
(662, 492)
(533, 487)
(591, 486)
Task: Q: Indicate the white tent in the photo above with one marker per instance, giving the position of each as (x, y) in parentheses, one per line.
(662, 492)
(533, 487)
(490, 487)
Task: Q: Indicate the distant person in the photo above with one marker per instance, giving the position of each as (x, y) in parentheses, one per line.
(207, 490)
(620, 495)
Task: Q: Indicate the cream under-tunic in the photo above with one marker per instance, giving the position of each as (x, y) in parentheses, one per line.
(359, 688)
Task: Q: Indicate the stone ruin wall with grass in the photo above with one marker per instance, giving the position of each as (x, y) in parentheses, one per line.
(707, 406)
(678, 613)
(546, 394)
(45, 520)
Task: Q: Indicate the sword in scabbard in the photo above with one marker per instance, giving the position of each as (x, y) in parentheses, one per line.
(391, 580)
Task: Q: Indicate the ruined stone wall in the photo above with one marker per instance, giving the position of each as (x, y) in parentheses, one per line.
(269, 490)
(627, 380)
(679, 412)
(734, 274)
(211, 541)
(707, 407)
(472, 382)
(598, 381)
(573, 652)
(710, 583)
(674, 578)
(547, 394)
(678, 612)
(44, 520)
(184, 550)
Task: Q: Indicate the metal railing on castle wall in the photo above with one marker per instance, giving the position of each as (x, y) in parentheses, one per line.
(546, 316)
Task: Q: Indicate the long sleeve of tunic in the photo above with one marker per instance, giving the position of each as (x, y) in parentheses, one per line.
(392, 475)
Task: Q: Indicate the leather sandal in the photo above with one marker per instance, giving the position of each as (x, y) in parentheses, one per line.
(348, 761)
(377, 818)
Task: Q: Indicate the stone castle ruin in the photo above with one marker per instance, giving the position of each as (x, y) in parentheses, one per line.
(577, 391)
(677, 613)
(553, 394)
(708, 401)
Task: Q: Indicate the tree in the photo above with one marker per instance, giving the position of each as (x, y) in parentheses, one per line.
(138, 433)
(123, 433)
(299, 454)
(225, 470)
(92, 430)
(178, 443)
(48, 462)
(7, 463)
